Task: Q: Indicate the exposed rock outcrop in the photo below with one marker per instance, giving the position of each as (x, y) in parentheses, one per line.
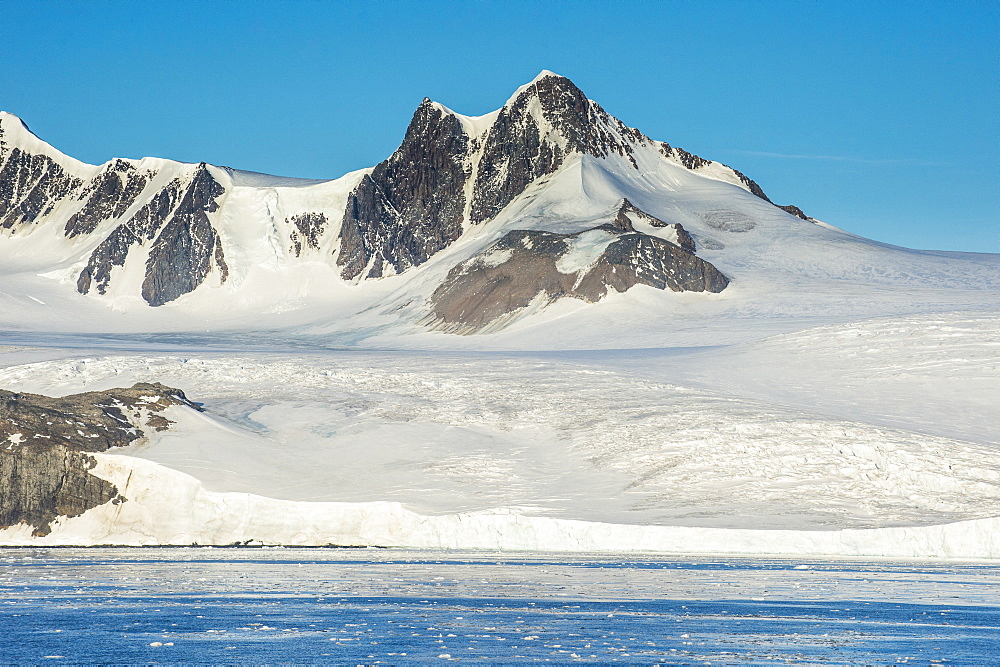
(182, 255)
(410, 206)
(185, 245)
(413, 204)
(531, 138)
(689, 160)
(108, 196)
(796, 211)
(308, 229)
(535, 268)
(30, 187)
(44, 468)
(629, 214)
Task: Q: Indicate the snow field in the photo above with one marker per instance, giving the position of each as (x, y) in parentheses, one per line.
(508, 440)
(167, 507)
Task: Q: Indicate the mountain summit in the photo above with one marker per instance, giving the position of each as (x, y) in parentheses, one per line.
(477, 221)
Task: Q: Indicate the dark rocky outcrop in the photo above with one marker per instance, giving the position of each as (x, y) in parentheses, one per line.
(185, 245)
(413, 204)
(141, 227)
(410, 206)
(30, 187)
(538, 267)
(44, 466)
(308, 228)
(517, 150)
(108, 196)
(796, 211)
(41, 483)
(752, 186)
(627, 212)
(181, 256)
(689, 160)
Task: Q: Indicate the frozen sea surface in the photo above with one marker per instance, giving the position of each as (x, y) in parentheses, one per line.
(396, 606)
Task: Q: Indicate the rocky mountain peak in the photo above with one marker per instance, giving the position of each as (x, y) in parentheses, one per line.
(410, 206)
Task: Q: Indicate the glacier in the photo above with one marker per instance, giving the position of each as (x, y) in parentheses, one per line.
(838, 397)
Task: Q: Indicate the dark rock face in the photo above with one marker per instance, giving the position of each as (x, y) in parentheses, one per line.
(689, 160)
(752, 186)
(140, 228)
(516, 153)
(796, 211)
(108, 196)
(42, 483)
(413, 204)
(628, 212)
(410, 206)
(308, 228)
(30, 187)
(537, 267)
(641, 259)
(44, 468)
(181, 257)
(185, 249)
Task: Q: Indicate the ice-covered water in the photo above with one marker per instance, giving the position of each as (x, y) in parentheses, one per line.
(397, 606)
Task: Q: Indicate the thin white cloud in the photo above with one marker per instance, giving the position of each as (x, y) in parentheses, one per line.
(908, 162)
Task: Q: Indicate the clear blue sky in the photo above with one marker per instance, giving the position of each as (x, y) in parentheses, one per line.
(880, 118)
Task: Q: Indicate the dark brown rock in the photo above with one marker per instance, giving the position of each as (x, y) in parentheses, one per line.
(627, 210)
(181, 256)
(41, 483)
(411, 205)
(108, 195)
(516, 153)
(30, 187)
(308, 229)
(44, 468)
(141, 227)
(796, 211)
(185, 246)
(523, 267)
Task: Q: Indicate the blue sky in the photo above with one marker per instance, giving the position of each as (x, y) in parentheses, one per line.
(880, 118)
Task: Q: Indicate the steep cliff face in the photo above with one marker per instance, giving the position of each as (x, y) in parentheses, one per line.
(108, 196)
(182, 255)
(410, 206)
(44, 482)
(44, 468)
(185, 246)
(30, 186)
(531, 268)
(533, 134)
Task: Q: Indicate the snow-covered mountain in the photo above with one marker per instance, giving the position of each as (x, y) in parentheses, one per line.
(548, 197)
(655, 356)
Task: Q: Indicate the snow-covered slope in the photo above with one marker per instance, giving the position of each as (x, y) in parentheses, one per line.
(153, 244)
(589, 451)
(658, 356)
